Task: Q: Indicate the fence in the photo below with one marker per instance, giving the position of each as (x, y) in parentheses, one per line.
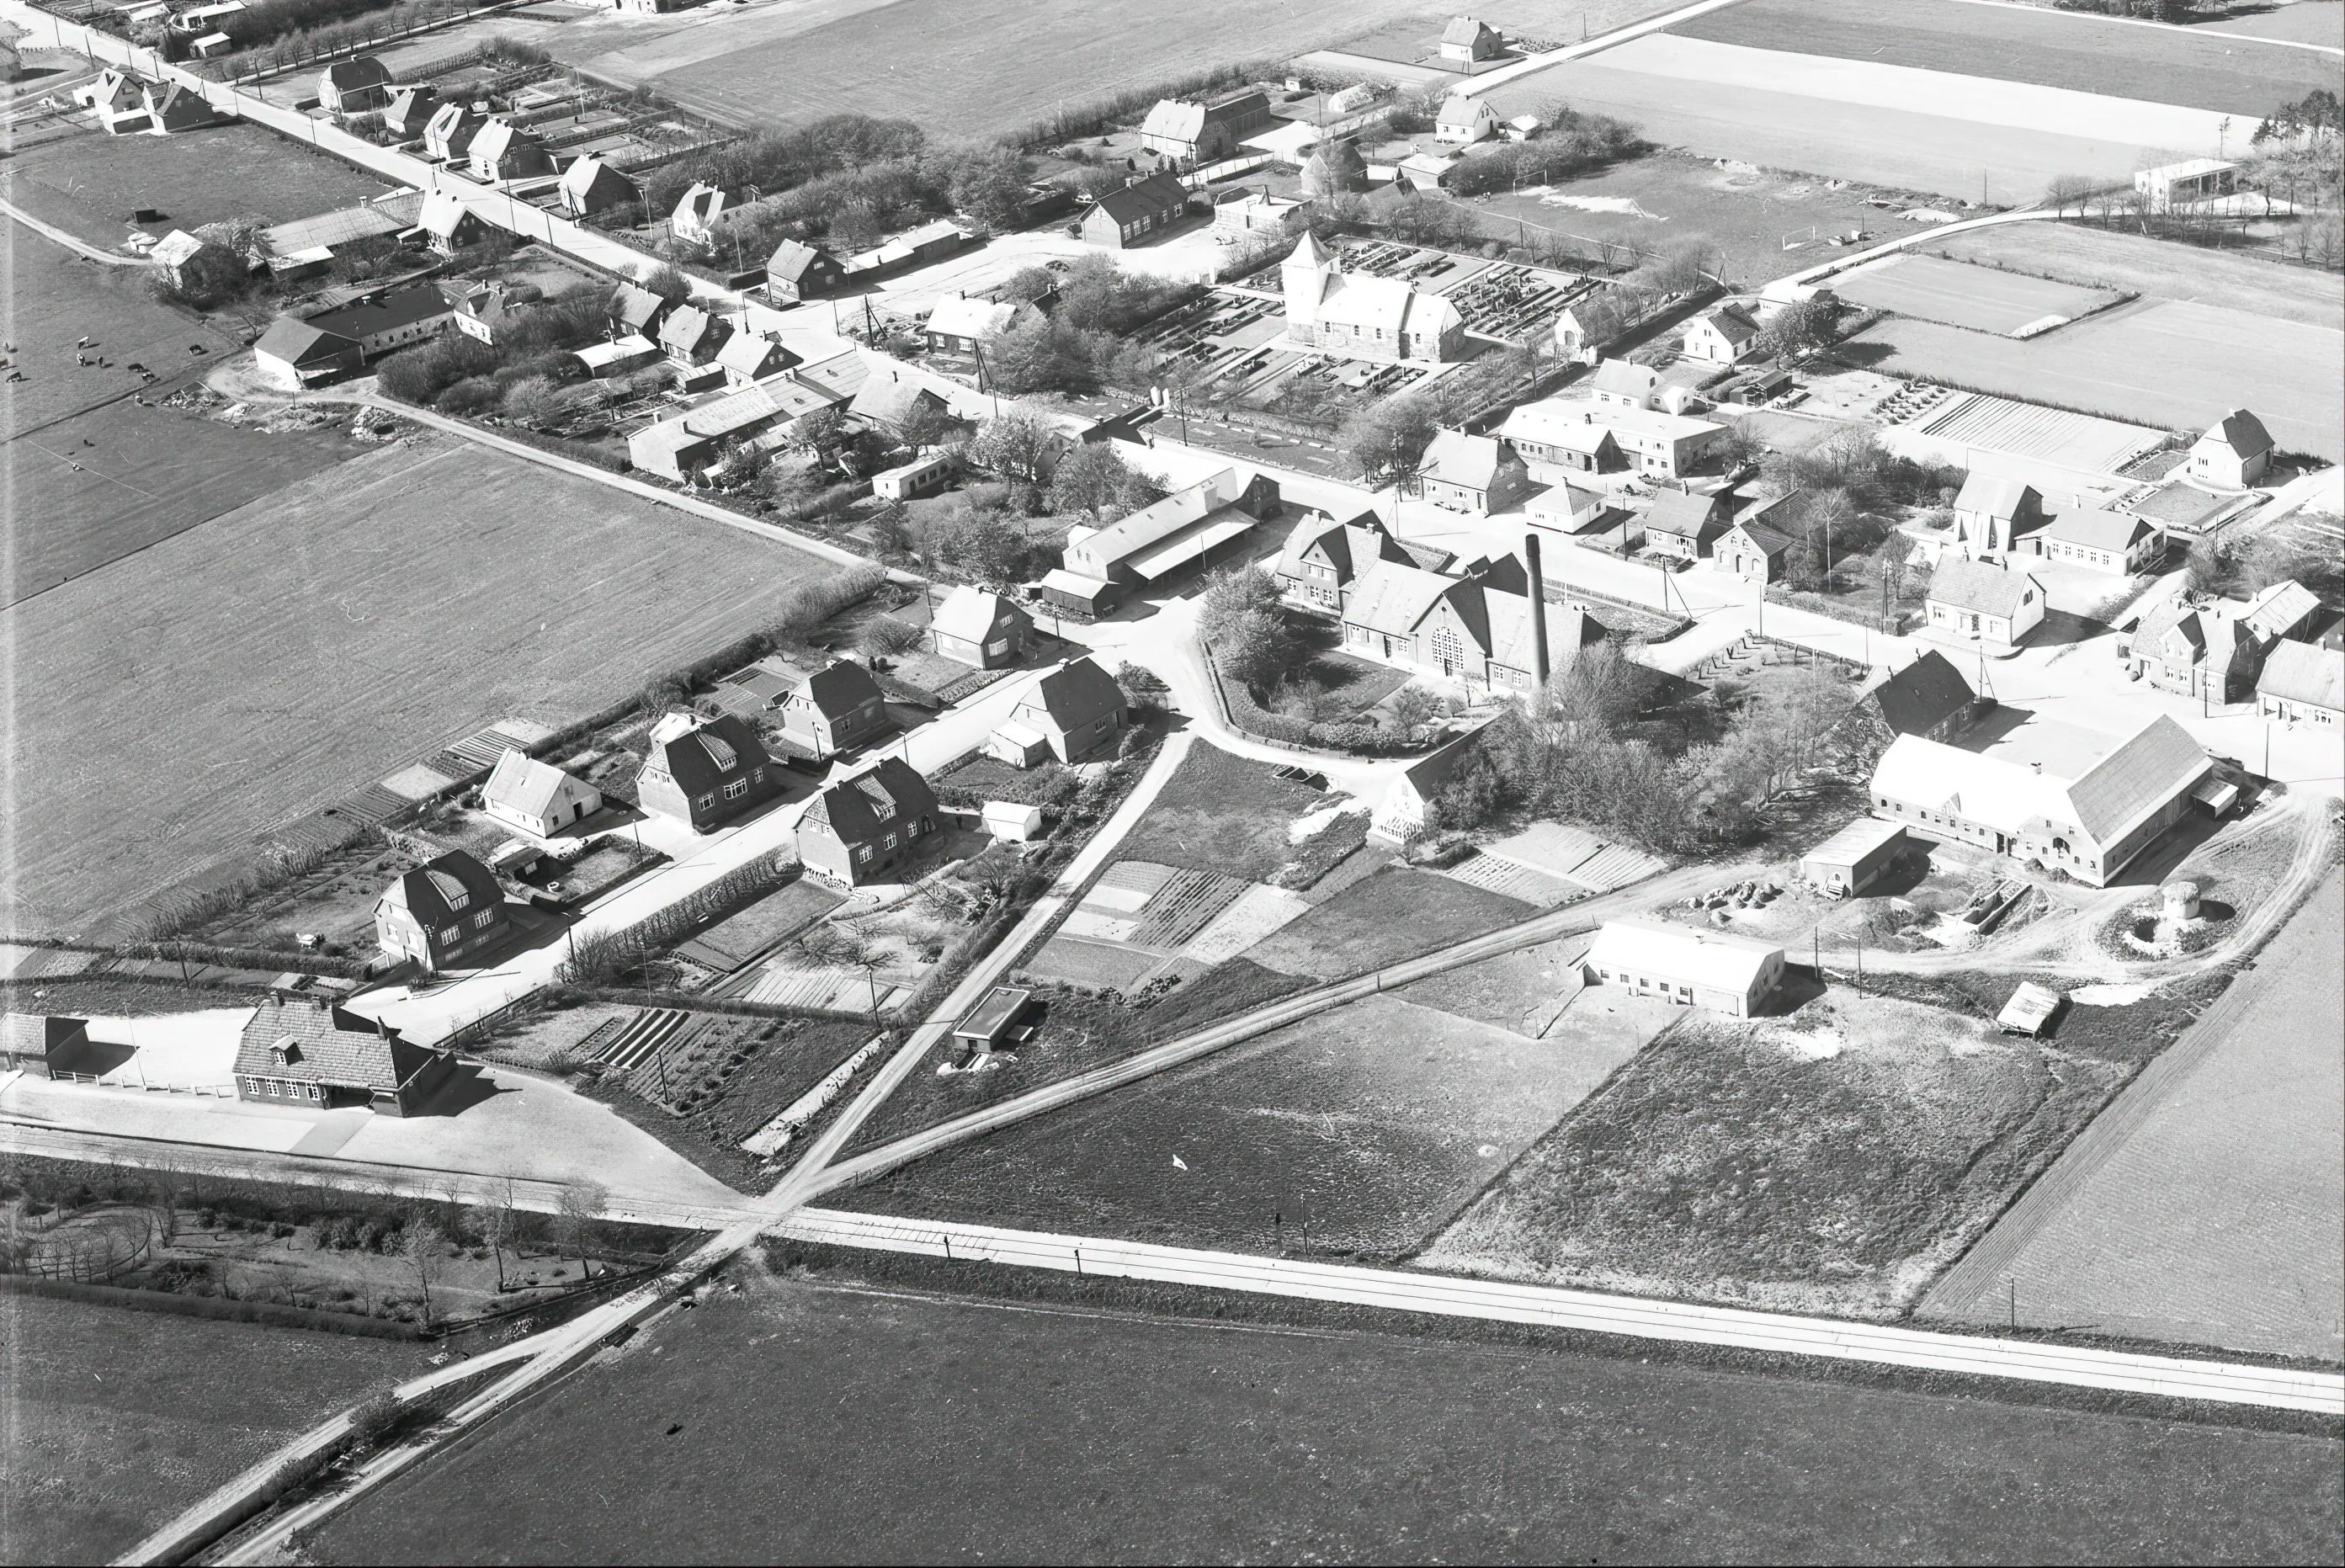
(301, 54)
(202, 1091)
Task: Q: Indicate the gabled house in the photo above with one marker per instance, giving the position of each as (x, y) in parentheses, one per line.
(980, 628)
(866, 826)
(1170, 534)
(691, 336)
(694, 221)
(636, 313)
(1324, 558)
(294, 353)
(444, 914)
(704, 772)
(448, 226)
(173, 108)
(536, 796)
(837, 707)
(1476, 628)
(1463, 120)
(1558, 439)
(1467, 40)
(1752, 549)
(41, 1045)
(1076, 711)
(1992, 515)
(1568, 507)
(797, 271)
(2214, 648)
(1481, 475)
(748, 357)
(448, 135)
(483, 309)
(1623, 384)
(298, 1052)
(503, 151)
(2116, 542)
(1928, 698)
(2302, 684)
(1688, 966)
(410, 111)
(1721, 336)
(1192, 132)
(960, 325)
(1985, 602)
(2234, 452)
(895, 403)
(119, 101)
(349, 86)
(593, 185)
(1684, 526)
(174, 254)
(1128, 216)
(1407, 808)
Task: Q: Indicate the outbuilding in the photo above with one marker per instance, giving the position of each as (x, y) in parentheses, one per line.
(1854, 858)
(1686, 966)
(995, 1021)
(1012, 821)
(295, 353)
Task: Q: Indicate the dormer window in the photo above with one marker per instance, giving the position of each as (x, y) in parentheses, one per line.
(457, 901)
(284, 1052)
(882, 809)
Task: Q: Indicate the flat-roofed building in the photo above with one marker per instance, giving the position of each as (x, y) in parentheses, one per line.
(1686, 966)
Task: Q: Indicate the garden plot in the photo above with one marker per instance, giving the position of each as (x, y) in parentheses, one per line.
(1835, 1161)
(1978, 298)
(1134, 923)
(1398, 912)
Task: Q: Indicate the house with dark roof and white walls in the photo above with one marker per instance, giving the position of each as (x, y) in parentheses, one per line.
(2234, 452)
(298, 1052)
(1990, 605)
(1076, 712)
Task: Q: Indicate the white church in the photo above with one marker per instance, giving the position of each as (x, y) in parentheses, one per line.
(1361, 317)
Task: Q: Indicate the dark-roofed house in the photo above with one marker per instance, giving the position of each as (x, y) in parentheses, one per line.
(976, 626)
(636, 313)
(895, 403)
(691, 336)
(2234, 451)
(1992, 515)
(501, 150)
(2302, 684)
(379, 323)
(1928, 698)
(175, 106)
(411, 110)
(1721, 336)
(35, 1044)
(1684, 526)
(447, 225)
(1476, 628)
(2116, 542)
(1324, 558)
(1467, 39)
(1076, 711)
(704, 772)
(448, 135)
(442, 913)
(296, 353)
(1753, 550)
(2213, 648)
(1559, 440)
(1476, 474)
(536, 796)
(348, 87)
(1192, 132)
(483, 309)
(1128, 216)
(865, 827)
(296, 1051)
(1984, 603)
(1407, 805)
(797, 272)
(593, 185)
(837, 707)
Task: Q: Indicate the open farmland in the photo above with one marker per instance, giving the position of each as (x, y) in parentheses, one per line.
(2099, 257)
(90, 183)
(1978, 298)
(1832, 1161)
(2205, 1206)
(1005, 1432)
(1362, 1129)
(303, 645)
(2165, 363)
(2321, 22)
(118, 1419)
(1398, 913)
(2017, 43)
(1923, 142)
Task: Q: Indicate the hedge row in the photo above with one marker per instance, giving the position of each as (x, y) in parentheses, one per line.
(298, 960)
(215, 1307)
(1249, 717)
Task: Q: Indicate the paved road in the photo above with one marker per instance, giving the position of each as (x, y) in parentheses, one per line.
(2169, 1377)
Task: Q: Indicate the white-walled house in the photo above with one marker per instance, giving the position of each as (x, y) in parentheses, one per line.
(536, 797)
(1978, 600)
(1685, 965)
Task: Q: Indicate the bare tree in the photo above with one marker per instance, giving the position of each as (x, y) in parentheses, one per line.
(580, 1204)
(500, 1222)
(420, 1244)
(842, 946)
(2068, 190)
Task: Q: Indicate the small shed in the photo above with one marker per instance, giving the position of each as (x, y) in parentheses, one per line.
(909, 481)
(1019, 746)
(1065, 590)
(1854, 858)
(995, 1021)
(2030, 1009)
(1011, 821)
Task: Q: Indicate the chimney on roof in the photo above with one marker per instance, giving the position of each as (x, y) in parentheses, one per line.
(1539, 607)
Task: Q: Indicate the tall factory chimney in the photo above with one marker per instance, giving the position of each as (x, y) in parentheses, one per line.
(1538, 608)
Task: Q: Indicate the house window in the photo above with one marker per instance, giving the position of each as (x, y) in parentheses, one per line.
(882, 809)
(703, 803)
(737, 789)
(450, 935)
(889, 841)
(480, 921)
(457, 901)
(863, 854)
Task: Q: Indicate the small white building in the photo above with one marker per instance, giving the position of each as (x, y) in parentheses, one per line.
(695, 218)
(1723, 336)
(1983, 602)
(1854, 858)
(535, 796)
(1685, 965)
(2234, 452)
(1012, 821)
(2173, 185)
(1465, 120)
(2303, 682)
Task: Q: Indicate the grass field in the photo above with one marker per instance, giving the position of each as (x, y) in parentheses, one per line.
(2164, 364)
(2013, 42)
(2214, 1220)
(1222, 812)
(116, 1419)
(804, 1422)
(1978, 298)
(2110, 259)
(2306, 22)
(56, 299)
(1398, 912)
(1362, 1128)
(240, 672)
(1832, 1162)
(90, 185)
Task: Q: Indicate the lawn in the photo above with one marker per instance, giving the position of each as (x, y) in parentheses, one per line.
(1398, 912)
(1224, 814)
(1362, 1129)
(2168, 364)
(2016, 44)
(300, 647)
(800, 1422)
(90, 185)
(2097, 257)
(1834, 1161)
(117, 1419)
(1978, 298)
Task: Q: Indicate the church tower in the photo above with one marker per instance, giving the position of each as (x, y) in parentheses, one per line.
(1305, 275)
